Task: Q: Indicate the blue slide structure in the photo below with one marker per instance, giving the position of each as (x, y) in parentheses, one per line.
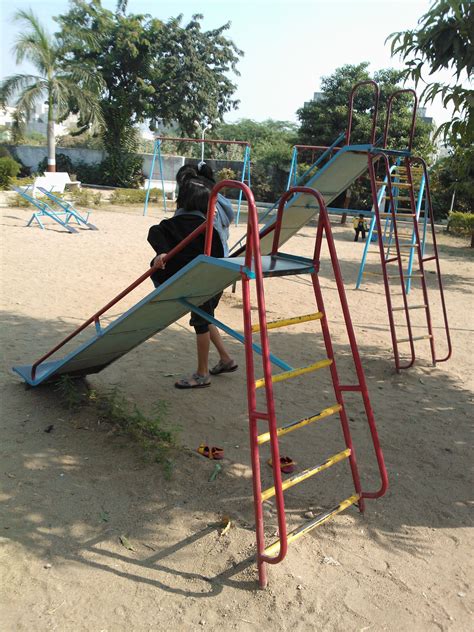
(201, 279)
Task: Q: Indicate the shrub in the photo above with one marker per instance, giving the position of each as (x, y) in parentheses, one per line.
(18, 200)
(89, 174)
(125, 172)
(83, 197)
(63, 163)
(9, 168)
(135, 196)
(461, 223)
(4, 153)
(226, 174)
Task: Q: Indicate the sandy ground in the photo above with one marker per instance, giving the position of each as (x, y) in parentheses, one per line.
(68, 495)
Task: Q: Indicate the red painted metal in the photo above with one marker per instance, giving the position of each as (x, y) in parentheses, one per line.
(389, 113)
(436, 259)
(130, 288)
(354, 90)
(421, 260)
(372, 159)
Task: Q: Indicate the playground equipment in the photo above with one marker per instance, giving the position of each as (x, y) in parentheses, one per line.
(332, 174)
(400, 184)
(45, 210)
(201, 279)
(245, 177)
(69, 210)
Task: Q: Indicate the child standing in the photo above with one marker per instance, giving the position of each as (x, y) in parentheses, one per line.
(360, 226)
(192, 202)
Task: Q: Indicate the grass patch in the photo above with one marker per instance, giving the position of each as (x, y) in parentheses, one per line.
(151, 432)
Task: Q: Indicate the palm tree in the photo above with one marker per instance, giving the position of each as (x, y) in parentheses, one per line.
(65, 86)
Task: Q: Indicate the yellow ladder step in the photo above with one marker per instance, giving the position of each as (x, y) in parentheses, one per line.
(415, 338)
(311, 471)
(286, 375)
(315, 522)
(284, 322)
(400, 185)
(399, 212)
(397, 197)
(408, 245)
(399, 309)
(331, 410)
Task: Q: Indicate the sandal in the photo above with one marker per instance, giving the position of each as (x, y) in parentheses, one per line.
(195, 381)
(211, 453)
(287, 465)
(224, 367)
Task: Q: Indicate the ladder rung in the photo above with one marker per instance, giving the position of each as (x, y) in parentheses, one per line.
(399, 309)
(286, 375)
(397, 214)
(315, 522)
(408, 245)
(311, 471)
(401, 185)
(429, 258)
(290, 321)
(415, 338)
(396, 197)
(331, 410)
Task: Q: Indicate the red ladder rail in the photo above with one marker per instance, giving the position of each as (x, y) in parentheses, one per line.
(372, 160)
(422, 260)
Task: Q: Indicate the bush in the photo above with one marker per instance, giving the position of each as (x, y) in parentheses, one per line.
(135, 196)
(226, 174)
(83, 197)
(461, 223)
(124, 171)
(4, 153)
(63, 164)
(9, 168)
(89, 174)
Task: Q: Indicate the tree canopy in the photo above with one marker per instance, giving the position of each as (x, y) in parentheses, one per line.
(324, 119)
(444, 39)
(59, 82)
(152, 70)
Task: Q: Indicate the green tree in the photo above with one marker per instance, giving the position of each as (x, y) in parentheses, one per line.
(444, 39)
(59, 83)
(323, 120)
(452, 182)
(271, 143)
(152, 71)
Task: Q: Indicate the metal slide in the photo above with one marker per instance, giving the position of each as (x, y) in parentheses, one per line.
(348, 164)
(201, 279)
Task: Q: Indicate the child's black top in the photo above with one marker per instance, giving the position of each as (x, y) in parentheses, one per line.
(170, 232)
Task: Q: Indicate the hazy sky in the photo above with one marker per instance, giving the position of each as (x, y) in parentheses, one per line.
(289, 44)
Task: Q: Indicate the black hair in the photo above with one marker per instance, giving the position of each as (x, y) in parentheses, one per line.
(205, 170)
(184, 172)
(194, 194)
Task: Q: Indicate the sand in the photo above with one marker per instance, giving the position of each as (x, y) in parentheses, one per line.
(69, 494)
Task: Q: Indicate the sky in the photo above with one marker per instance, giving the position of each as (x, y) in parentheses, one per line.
(288, 44)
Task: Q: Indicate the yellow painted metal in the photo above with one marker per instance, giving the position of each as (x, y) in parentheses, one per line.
(316, 522)
(284, 322)
(286, 375)
(399, 185)
(305, 474)
(331, 410)
(397, 197)
(427, 337)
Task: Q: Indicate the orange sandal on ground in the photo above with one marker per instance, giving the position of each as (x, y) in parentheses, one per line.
(211, 453)
(287, 465)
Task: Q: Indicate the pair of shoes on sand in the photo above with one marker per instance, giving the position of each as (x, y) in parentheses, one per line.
(202, 381)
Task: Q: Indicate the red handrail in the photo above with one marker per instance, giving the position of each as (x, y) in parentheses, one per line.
(351, 106)
(115, 300)
(389, 113)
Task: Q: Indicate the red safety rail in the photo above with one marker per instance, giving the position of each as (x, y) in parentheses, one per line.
(396, 95)
(372, 160)
(354, 91)
(96, 317)
(409, 162)
(253, 260)
(410, 219)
